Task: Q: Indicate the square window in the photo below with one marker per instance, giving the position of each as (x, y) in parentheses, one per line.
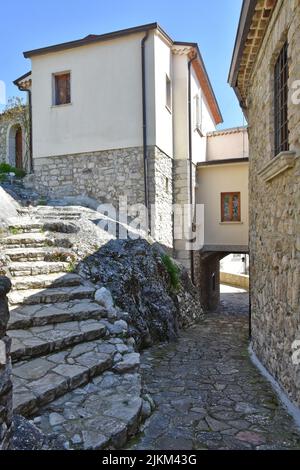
(62, 88)
(230, 207)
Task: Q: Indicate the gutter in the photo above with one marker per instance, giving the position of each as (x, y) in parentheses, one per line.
(144, 104)
(191, 157)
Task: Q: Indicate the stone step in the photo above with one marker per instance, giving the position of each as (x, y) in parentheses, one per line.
(101, 415)
(42, 281)
(40, 340)
(25, 239)
(25, 225)
(36, 254)
(37, 382)
(26, 316)
(58, 216)
(37, 267)
(48, 296)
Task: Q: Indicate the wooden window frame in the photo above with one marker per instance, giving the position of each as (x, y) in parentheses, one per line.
(56, 77)
(281, 76)
(198, 115)
(168, 93)
(235, 193)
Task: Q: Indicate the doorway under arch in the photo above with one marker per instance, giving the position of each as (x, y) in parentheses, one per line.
(15, 146)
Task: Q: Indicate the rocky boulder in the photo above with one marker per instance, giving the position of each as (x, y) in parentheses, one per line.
(136, 276)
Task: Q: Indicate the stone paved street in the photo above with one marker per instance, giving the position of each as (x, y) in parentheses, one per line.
(208, 393)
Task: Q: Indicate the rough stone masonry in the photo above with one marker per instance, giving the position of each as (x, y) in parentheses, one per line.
(5, 368)
(275, 208)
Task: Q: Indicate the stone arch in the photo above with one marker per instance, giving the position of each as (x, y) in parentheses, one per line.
(15, 145)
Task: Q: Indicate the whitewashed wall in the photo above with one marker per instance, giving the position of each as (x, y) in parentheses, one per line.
(212, 181)
(228, 145)
(163, 116)
(106, 95)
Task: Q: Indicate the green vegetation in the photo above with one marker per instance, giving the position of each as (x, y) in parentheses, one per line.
(71, 268)
(42, 202)
(5, 169)
(173, 272)
(15, 230)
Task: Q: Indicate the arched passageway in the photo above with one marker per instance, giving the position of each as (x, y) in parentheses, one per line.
(209, 277)
(15, 146)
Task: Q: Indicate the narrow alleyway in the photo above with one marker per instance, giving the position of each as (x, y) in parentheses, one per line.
(208, 393)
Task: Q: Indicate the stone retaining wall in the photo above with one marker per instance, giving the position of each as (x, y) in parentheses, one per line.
(5, 369)
(275, 208)
(107, 175)
(237, 280)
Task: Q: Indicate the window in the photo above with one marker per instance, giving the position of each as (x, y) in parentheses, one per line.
(168, 93)
(167, 185)
(281, 75)
(62, 89)
(231, 207)
(198, 113)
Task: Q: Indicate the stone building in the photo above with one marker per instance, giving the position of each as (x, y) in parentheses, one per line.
(121, 114)
(14, 138)
(265, 74)
(148, 133)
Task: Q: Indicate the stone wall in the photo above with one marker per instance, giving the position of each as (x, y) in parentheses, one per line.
(6, 123)
(207, 278)
(275, 208)
(182, 197)
(107, 175)
(161, 196)
(5, 369)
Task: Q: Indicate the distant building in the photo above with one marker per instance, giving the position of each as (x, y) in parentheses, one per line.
(14, 138)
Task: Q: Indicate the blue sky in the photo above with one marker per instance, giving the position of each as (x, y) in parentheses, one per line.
(34, 24)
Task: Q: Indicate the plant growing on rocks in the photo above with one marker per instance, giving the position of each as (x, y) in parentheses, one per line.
(173, 272)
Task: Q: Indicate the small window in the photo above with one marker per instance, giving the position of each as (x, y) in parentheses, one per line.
(168, 93)
(167, 185)
(62, 89)
(231, 207)
(198, 113)
(281, 75)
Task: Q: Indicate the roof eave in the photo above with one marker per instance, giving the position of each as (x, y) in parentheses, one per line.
(18, 80)
(92, 40)
(245, 20)
(228, 161)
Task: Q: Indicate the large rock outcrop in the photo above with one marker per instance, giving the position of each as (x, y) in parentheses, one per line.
(136, 275)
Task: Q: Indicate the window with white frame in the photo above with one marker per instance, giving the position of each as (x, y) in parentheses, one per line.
(198, 113)
(168, 93)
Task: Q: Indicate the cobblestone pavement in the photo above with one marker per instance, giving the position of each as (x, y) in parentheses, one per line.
(208, 393)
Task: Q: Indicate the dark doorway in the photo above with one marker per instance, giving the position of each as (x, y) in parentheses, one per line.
(19, 148)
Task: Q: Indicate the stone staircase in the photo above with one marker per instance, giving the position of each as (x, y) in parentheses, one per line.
(75, 372)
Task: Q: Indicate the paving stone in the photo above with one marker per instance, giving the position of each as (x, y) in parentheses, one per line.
(45, 339)
(209, 367)
(103, 418)
(129, 362)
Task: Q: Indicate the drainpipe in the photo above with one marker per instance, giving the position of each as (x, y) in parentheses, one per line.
(191, 156)
(146, 187)
(30, 127)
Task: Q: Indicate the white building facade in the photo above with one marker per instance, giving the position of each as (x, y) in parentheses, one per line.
(122, 114)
